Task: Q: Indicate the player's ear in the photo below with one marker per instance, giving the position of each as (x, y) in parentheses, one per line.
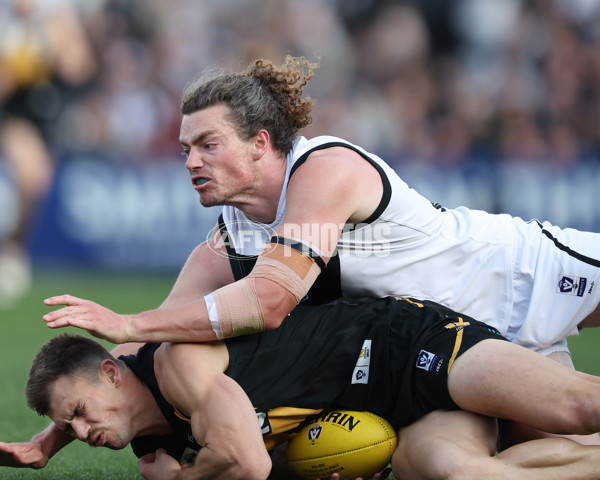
(111, 372)
(261, 142)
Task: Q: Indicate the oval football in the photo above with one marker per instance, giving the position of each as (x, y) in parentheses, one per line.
(353, 444)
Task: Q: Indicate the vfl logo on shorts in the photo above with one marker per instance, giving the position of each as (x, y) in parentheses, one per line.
(570, 285)
(361, 369)
(427, 360)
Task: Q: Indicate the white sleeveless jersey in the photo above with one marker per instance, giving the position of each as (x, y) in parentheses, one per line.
(476, 263)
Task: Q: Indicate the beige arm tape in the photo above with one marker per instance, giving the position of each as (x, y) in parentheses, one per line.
(235, 308)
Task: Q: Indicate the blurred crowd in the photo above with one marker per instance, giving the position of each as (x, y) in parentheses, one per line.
(424, 82)
(418, 81)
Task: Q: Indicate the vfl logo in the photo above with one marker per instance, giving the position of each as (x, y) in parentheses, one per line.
(363, 364)
(571, 285)
(314, 432)
(263, 421)
(426, 360)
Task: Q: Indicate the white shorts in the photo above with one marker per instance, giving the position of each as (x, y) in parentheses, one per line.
(556, 285)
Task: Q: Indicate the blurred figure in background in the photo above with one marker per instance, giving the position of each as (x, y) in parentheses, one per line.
(44, 58)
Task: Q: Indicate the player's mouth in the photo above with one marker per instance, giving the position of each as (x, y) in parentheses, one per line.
(98, 440)
(199, 182)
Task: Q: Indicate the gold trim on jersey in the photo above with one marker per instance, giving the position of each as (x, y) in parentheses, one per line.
(460, 325)
(420, 305)
(182, 415)
(284, 423)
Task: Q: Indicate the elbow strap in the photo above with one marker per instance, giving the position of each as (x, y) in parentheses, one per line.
(235, 309)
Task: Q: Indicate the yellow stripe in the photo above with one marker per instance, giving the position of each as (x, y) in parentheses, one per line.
(182, 415)
(410, 301)
(457, 344)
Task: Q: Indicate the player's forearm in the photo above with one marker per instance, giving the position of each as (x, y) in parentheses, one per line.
(191, 322)
(51, 440)
(211, 466)
(184, 324)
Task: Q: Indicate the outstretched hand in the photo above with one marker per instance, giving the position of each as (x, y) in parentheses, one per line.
(22, 455)
(87, 315)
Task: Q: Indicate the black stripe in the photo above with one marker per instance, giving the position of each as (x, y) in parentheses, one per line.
(300, 247)
(564, 248)
(387, 187)
(328, 285)
(225, 236)
(241, 265)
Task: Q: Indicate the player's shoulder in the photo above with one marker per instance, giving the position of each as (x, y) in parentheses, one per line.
(326, 157)
(321, 146)
(179, 364)
(181, 354)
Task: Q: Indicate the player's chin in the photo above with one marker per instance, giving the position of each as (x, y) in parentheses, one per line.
(207, 200)
(116, 444)
(213, 199)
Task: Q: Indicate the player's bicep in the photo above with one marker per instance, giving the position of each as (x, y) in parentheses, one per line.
(222, 418)
(333, 188)
(184, 372)
(226, 417)
(227, 428)
(316, 220)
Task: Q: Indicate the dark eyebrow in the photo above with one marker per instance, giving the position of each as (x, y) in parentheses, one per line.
(76, 411)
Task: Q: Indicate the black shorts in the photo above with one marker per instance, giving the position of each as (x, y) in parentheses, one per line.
(422, 382)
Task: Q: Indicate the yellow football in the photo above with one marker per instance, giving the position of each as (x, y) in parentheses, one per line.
(353, 444)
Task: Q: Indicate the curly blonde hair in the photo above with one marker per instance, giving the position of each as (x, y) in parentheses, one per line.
(262, 97)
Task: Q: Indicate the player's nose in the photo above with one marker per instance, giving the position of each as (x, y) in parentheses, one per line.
(81, 429)
(194, 159)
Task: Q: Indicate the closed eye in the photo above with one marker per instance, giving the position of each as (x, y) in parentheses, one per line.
(79, 410)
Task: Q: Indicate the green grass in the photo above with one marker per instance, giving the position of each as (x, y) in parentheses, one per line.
(22, 332)
(585, 351)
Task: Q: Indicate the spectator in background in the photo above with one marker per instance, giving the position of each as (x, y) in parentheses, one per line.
(44, 58)
(128, 112)
(423, 82)
(502, 80)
